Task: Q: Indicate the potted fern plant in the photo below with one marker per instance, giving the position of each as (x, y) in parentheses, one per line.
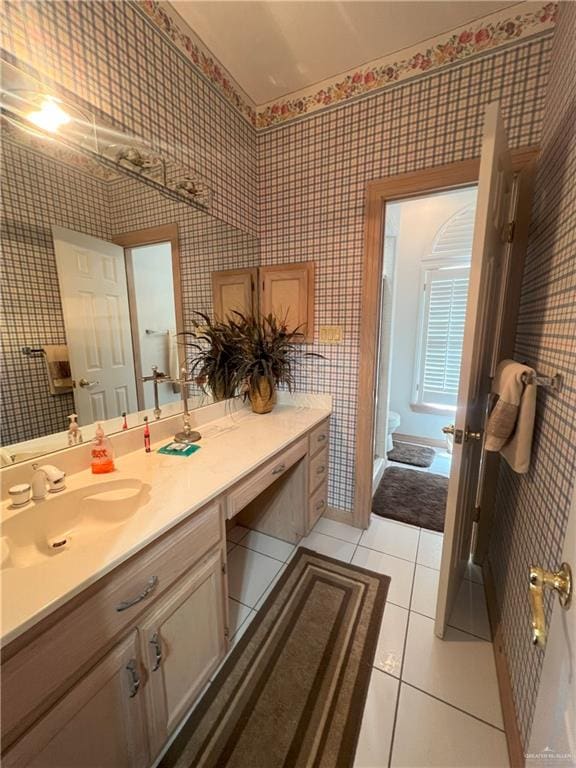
(265, 357)
(213, 359)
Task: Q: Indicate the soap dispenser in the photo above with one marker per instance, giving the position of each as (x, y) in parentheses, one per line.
(74, 433)
(102, 453)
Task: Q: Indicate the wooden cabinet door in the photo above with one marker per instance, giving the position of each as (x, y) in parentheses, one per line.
(287, 291)
(184, 640)
(100, 722)
(234, 290)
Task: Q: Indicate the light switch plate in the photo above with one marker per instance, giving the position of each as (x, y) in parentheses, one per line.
(330, 334)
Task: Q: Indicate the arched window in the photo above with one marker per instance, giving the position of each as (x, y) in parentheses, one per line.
(445, 274)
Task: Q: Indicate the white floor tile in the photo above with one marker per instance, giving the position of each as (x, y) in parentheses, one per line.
(470, 613)
(400, 572)
(338, 530)
(268, 545)
(250, 574)
(236, 533)
(392, 538)
(433, 734)
(270, 587)
(430, 549)
(375, 739)
(459, 669)
(237, 614)
(242, 629)
(328, 545)
(425, 591)
(391, 640)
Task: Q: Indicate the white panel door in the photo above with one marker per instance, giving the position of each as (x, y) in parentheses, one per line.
(494, 210)
(92, 277)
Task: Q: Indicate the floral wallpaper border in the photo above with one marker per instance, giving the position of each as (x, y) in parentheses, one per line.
(199, 57)
(484, 35)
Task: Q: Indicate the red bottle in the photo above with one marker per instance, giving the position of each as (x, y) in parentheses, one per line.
(146, 435)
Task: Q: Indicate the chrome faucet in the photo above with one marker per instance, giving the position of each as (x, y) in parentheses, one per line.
(155, 378)
(187, 435)
(47, 478)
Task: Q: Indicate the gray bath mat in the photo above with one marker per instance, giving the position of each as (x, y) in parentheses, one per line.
(410, 496)
(417, 455)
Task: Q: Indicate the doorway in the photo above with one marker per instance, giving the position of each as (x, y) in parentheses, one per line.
(425, 275)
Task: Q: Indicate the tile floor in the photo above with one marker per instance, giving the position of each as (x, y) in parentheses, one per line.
(430, 702)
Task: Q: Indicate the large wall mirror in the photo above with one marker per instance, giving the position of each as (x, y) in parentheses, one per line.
(101, 273)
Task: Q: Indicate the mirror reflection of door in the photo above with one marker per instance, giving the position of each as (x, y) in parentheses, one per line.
(92, 279)
(153, 314)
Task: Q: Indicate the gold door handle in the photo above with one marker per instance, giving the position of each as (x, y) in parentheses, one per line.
(561, 582)
(461, 435)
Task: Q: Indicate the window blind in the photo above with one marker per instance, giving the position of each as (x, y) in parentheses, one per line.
(443, 335)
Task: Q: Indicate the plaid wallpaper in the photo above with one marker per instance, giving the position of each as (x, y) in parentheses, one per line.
(313, 176)
(46, 193)
(531, 518)
(41, 191)
(112, 55)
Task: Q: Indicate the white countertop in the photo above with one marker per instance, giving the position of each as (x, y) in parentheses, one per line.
(231, 448)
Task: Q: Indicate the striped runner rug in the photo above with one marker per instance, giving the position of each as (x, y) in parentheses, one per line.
(292, 692)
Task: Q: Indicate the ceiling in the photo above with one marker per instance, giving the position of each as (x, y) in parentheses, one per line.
(276, 47)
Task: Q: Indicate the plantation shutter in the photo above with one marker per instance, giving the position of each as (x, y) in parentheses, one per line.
(443, 335)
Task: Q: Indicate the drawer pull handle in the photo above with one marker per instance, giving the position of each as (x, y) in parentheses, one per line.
(150, 587)
(321, 469)
(320, 505)
(155, 643)
(321, 438)
(133, 677)
(279, 470)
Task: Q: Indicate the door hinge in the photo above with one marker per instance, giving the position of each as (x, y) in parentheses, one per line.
(476, 515)
(223, 567)
(510, 229)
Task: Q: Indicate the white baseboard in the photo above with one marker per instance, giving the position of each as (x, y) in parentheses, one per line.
(431, 441)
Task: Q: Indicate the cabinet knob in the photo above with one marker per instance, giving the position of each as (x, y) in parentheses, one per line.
(279, 469)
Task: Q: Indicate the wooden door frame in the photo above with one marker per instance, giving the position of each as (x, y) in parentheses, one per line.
(163, 233)
(403, 186)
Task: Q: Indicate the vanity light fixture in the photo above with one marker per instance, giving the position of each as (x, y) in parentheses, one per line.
(50, 117)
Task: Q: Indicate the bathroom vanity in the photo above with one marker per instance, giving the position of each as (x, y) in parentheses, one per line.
(108, 643)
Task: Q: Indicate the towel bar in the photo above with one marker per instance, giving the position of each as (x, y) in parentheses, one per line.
(32, 351)
(552, 382)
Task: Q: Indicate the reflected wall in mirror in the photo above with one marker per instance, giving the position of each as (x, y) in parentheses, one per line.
(153, 257)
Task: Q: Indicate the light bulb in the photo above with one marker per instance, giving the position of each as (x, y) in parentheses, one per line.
(50, 116)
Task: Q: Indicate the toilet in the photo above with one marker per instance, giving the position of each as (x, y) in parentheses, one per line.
(393, 424)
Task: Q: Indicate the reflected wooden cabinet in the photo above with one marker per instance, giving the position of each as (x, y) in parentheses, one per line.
(101, 721)
(234, 290)
(183, 641)
(285, 290)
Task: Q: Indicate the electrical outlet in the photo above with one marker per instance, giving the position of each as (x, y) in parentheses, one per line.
(330, 334)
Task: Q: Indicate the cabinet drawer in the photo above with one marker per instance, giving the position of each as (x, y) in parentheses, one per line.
(33, 677)
(317, 505)
(319, 437)
(318, 470)
(247, 490)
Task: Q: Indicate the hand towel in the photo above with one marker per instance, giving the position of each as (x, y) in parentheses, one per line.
(58, 368)
(173, 359)
(511, 421)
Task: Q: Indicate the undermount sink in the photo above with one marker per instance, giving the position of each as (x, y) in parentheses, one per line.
(44, 529)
